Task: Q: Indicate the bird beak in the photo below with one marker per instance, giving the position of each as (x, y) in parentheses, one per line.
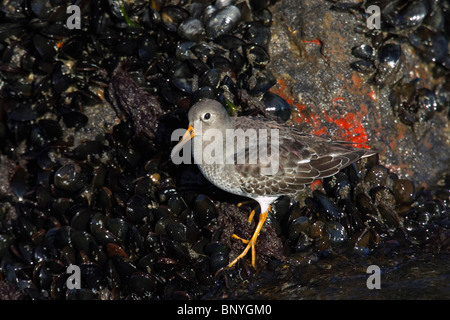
(188, 135)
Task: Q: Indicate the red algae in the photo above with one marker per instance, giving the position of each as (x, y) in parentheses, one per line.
(350, 125)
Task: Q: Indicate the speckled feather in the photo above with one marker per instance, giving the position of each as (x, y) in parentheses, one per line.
(302, 158)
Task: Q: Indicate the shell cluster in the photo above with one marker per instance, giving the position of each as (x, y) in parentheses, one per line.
(423, 27)
(365, 209)
(85, 122)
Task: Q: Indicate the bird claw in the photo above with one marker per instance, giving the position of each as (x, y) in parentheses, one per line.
(252, 214)
(250, 243)
(250, 217)
(239, 238)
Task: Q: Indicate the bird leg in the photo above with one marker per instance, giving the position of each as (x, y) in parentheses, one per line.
(250, 217)
(252, 214)
(252, 242)
(239, 238)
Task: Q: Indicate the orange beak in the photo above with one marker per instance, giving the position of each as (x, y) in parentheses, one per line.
(188, 135)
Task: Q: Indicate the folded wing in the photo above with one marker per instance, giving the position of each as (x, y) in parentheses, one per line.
(296, 160)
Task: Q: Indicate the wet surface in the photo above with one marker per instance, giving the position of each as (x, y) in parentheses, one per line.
(342, 278)
(311, 51)
(85, 175)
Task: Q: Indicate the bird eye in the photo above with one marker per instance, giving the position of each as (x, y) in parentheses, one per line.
(206, 116)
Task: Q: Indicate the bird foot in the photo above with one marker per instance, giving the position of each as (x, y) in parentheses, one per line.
(250, 243)
(235, 236)
(252, 214)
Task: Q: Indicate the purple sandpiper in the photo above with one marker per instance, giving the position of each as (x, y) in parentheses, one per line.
(301, 159)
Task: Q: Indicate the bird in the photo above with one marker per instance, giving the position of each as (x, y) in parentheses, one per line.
(298, 159)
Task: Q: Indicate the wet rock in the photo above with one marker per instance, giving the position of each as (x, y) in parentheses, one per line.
(83, 183)
(129, 99)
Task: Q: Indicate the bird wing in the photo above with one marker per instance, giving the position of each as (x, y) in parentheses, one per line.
(301, 159)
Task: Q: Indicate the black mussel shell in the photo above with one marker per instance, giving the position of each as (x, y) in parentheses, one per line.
(192, 29)
(229, 41)
(405, 14)
(204, 210)
(172, 16)
(363, 51)
(390, 54)
(276, 106)
(257, 56)
(142, 285)
(223, 21)
(147, 48)
(427, 104)
(70, 178)
(75, 119)
(257, 33)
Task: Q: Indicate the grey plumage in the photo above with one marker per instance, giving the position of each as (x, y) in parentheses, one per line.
(302, 158)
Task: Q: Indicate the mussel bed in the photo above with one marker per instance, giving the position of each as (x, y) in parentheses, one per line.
(85, 122)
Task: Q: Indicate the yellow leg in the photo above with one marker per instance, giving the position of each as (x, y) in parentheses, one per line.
(252, 242)
(252, 214)
(239, 238)
(250, 217)
(243, 203)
